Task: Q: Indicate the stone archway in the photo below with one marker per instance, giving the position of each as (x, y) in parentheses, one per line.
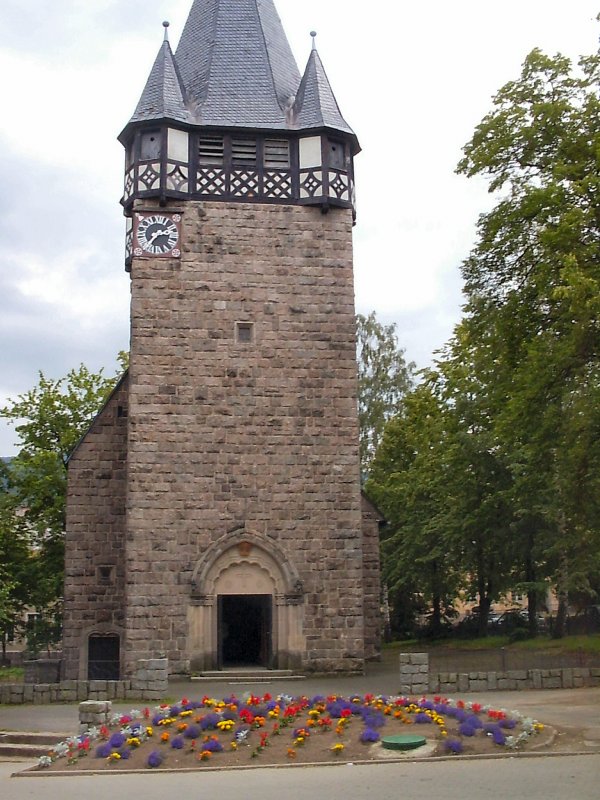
(246, 606)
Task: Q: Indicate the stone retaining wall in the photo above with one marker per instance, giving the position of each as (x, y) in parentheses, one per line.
(150, 682)
(415, 678)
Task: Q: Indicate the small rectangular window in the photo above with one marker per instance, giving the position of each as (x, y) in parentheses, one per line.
(211, 150)
(105, 574)
(277, 153)
(244, 332)
(243, 152)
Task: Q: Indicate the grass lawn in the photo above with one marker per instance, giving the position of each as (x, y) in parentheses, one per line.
(11, 674)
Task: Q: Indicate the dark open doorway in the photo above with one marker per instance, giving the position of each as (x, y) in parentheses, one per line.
(103, 658)
(245, 630)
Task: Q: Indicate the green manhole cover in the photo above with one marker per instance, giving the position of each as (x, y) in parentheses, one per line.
(403, 742)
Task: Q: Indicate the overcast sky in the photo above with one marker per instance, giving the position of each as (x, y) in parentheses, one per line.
(412, 78)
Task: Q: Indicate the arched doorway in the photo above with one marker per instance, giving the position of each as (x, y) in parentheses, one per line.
(246, 606)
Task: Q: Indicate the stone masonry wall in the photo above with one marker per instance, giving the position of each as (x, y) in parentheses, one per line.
(263, 435)
(371, 580)
(94, 597)
(416, 680)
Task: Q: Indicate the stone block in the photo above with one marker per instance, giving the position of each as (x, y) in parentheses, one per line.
(420, 658)
(567, 678)
(506, 683)
(463, 682)
(492, 681)
(517, 674)
(477, 685)
(95, 707)
(98, 686)
(67, 695)
(551, 683)
(536, 678)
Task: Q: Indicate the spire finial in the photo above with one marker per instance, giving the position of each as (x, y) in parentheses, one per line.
(314, 37)
(166, 27)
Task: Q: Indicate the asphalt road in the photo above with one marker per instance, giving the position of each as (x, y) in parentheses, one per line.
(542, 778)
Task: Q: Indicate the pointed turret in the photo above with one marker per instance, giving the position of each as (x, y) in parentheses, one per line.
(163, 96)
(315, 105)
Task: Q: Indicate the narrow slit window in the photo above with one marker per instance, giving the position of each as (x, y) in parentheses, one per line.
(277, 153)
(244, 332)
(243, 152)
(211, 150)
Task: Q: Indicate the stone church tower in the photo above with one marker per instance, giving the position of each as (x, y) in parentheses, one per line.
(214, 508)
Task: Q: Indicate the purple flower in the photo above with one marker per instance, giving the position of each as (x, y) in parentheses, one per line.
(229, 714)
(465, 729)
(104, 750)
(498, 737)
(117, 740)
(192, 731)
(209, 721)
(177, 743)
(213, 746)
(369, 735)
(124, 752)
(155, 759)
(175, 711)
(509, 724)
(453, 745)
(158, 717)
(422, 718)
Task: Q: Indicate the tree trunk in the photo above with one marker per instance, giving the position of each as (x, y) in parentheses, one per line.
(560, 626)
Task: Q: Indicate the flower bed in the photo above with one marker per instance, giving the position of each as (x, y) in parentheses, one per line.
(274, 730)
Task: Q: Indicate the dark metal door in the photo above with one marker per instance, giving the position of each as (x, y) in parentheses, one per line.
(104, 657)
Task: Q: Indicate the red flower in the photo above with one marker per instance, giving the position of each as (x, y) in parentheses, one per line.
(346, 713)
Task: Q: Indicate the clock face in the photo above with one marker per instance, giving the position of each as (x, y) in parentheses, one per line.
(158, 235)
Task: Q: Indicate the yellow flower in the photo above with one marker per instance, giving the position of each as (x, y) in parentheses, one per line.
(185, 713)
(149, 731)
(337, 748)
(114, 757)
(234, 746)
(133, 741)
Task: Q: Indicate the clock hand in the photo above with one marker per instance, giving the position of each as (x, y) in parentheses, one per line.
(156, 234)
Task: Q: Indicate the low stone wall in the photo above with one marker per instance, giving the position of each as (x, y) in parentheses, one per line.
(150, 682)
(415, 678)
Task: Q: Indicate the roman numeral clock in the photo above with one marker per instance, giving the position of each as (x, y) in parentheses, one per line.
(157, 235)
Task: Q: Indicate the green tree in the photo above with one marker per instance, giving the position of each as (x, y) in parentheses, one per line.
(50, 419)
(533, 306)
(408, 481)
(384, 377)
(17, 572)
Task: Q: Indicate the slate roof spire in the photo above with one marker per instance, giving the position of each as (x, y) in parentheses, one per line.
(236, 64)
(163, 96)
(315, 105)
